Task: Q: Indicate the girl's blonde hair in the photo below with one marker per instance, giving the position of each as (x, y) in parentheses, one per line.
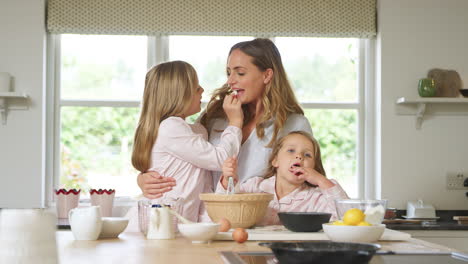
(168, 91)
(271, 170)
(278, 99)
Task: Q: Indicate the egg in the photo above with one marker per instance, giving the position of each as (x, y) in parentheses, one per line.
(240, 235)
(224, 225)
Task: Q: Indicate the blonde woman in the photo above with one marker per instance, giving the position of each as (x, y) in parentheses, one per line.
(295, 176)
(165, 143)
(255, 71)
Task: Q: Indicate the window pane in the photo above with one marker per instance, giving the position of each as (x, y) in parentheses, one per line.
(336, 131)
(321, 69)
(208, 55)
(96, 146)
(101, 67)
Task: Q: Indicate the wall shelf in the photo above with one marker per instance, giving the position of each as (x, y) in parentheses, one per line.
(5, 106)
(423, 106)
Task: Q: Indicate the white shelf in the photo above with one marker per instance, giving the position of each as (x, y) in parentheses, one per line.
(424, 106)
(13, 95)
(5, 106)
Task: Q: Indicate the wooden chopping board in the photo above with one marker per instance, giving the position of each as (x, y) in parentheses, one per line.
(275, 233)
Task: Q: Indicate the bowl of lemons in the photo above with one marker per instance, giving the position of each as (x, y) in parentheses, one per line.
(359, 221)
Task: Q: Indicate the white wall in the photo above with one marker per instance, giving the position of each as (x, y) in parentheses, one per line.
(22, 45)
(415, 36)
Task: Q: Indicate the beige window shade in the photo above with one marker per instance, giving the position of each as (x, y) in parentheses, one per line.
(301, 18)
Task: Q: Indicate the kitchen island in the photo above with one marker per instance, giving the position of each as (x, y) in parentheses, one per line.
(135, 248)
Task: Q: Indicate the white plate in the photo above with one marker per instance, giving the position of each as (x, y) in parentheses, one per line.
(421, 218)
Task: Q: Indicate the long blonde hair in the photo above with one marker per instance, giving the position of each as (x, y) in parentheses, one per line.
(168, 92)
(278, 99)
(271, 170)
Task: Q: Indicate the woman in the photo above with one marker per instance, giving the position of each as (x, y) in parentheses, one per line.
(255, 71)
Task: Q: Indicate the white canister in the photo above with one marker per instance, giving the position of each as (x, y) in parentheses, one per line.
(160, 223)
(85, 222)
(27, 236)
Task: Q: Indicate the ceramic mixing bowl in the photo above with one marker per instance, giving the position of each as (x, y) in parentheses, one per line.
(199, 232)
(242, 210)
(304, 222)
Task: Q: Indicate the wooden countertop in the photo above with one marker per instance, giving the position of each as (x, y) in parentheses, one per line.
(135, 248)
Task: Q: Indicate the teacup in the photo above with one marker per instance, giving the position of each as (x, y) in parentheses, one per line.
(86, 222)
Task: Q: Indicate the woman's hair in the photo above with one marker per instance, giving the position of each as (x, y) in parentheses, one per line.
(168, 92)
(278, 99)
(271, 170)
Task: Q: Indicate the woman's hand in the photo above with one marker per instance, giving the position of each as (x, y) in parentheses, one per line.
(233, 109)
(229, 170)
(313, 177)
(154, 185)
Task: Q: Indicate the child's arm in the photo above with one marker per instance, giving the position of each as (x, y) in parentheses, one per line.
(313, 177)
(229, 170)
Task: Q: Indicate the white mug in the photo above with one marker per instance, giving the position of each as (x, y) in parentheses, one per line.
(160, 224)
(85, 222)
(27, 236)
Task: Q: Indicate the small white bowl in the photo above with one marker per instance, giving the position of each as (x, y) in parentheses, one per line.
(353, 233)
(199, 232)
(113, 226)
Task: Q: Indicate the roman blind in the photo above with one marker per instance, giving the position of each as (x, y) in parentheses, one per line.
(288, 18)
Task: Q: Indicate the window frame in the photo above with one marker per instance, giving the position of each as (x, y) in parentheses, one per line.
(158, 51)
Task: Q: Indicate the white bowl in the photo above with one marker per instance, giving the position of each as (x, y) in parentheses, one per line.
(199, 232)
(113, 226)
(344, 233)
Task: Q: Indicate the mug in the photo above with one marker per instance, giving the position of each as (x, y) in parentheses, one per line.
(103, 198)
(27, 236)
(427, 87)
(85, 222)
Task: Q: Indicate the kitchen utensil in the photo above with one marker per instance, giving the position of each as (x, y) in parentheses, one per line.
(373, 209)
(322, 252)
(241, 209)
(304, 222)
(181, 218)
(27, 236)
(419, 209)
(344, 233)
(161, 225)
(65, 201)
(85, 222)
(199, 232)
(230, 188)
(105, 199)
(113, 226)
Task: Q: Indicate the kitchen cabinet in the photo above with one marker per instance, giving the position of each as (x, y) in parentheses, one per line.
(428, 106)
(456, 239)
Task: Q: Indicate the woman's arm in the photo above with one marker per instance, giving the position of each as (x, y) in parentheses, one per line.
(154, 185)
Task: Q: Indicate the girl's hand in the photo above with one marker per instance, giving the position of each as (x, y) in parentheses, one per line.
(229, 170)
(233, 109)
(313, 177)
(154, 185)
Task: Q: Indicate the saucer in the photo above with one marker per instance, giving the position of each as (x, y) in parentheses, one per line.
(421, 218)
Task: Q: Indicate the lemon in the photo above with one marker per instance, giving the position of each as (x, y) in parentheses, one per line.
(364, 223)
(338, 223)
(353, 216)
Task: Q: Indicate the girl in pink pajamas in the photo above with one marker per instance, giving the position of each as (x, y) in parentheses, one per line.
(166, 143)
(295, 176)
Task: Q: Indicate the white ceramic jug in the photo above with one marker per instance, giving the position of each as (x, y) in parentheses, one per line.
(160, 224)
(85, 222)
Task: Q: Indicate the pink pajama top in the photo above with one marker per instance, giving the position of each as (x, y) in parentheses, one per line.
(182, 151)
(302, 199)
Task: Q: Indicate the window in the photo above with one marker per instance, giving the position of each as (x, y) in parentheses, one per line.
(102, 80)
